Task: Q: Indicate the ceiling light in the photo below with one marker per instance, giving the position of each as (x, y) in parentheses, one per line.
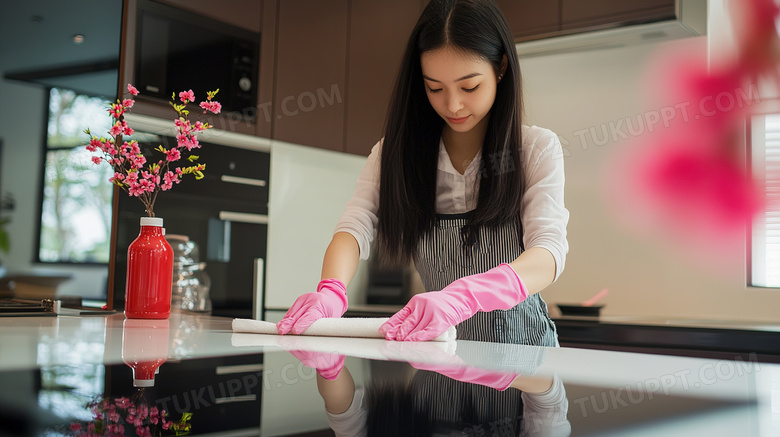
(78, 38)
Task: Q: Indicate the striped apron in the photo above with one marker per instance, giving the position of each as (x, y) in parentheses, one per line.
(441, 259)
(460, 408)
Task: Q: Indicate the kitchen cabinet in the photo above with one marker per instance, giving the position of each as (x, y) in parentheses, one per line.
(223, 394)
(310, 70)
(537, 19)
(531, 19)
(240, 15)
(579, 14)
(378, 34)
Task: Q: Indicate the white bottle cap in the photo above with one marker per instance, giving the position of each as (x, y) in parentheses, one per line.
(143, 382)
(151, 221)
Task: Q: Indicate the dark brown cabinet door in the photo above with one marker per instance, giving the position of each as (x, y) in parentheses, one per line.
(531, 19)
(578, 14)
(378, 35)
(310, 70)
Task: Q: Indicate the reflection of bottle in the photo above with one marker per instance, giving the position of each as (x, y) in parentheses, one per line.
(149, 273)
(144, 348)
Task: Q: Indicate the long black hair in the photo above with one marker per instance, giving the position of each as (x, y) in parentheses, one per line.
(407, 192)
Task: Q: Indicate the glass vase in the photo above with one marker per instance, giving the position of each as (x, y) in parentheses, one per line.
(149, 273)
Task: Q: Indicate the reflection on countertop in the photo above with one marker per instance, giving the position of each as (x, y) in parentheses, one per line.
(216, 381)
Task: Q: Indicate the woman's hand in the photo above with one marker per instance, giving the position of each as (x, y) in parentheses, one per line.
(330, 300)
(327, 365)
(428, 315)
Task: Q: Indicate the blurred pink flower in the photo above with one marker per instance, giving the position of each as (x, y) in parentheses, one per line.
(187, 96)
(132, 90)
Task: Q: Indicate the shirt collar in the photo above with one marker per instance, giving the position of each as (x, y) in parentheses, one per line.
(445, 164)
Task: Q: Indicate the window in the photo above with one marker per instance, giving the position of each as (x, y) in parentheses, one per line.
(75, 219)
(765, 242)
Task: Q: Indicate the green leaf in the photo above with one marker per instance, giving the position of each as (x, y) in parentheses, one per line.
(193, 158)
(5, 243)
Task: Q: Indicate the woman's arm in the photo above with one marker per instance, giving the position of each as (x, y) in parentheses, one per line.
(545, 216)
(341, 258)
(536, 266)
(337, 393)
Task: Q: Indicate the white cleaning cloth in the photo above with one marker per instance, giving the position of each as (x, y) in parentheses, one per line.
(434, 352)
(331, 327)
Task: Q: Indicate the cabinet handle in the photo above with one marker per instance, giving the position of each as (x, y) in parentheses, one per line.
(243, 181)
(239, 368)
(243, 217)
(257, 296)
(244, 398)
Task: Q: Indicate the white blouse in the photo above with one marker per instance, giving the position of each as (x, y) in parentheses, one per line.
(544, 215)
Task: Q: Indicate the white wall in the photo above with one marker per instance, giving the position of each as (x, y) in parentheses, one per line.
(571, 92)
(309, 189)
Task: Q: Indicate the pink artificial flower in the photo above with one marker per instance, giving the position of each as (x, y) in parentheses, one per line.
(173, 155)
(94, 144)
(169, 179)
(75, 427)
(214, 107)
(182, 126)
(132, 89)
(187, 142)
(146, 185)
(143, 431)
(97, 159)
(116, 129)
(128, 103)
(117, 177)
(126, 129)
(166, 424)
(165, 186)
(134, 189)
(198, 127)
(187, 96)
(116, 111)
(130, 179)
(137, 161)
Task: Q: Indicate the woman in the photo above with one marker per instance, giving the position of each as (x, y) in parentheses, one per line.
(459, 186)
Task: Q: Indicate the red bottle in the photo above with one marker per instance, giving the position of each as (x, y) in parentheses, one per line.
(144, 348)
(149, 273)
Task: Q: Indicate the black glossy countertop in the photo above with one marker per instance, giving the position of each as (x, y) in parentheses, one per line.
(675, 336)
(60, 373)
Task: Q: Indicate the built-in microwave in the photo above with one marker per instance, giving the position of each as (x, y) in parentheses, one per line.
(177, 50)
(225, 213)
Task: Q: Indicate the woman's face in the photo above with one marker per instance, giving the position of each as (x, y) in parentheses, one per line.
(461, 87)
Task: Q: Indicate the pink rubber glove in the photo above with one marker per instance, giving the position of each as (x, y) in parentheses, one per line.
(472, 375)
(330, 300)
(429, 314)
(327, 365)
